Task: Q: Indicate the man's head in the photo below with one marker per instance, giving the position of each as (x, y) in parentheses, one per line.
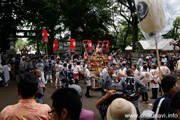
(175, 103)
(130, 72)
(69, 67)
(111, 70)
(145, 67)
(67, 104)
(37, 73)
(74, 63)
(89, 66)
(27, 86)
(65, 65)
(167, 83)
(117, 66)
(162, 63)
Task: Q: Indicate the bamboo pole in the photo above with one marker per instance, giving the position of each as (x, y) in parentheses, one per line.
(157, 53)
(46, 50)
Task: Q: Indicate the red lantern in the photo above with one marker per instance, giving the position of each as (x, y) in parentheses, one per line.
(55, 47)
(100, 46)
(44, 35)
(90, 47)
(105, 46)
(85, 44)
(109, 57)
(85, 57)
(73, 46)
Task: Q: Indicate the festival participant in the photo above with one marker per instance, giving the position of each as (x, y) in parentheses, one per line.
(130, 86)
(116, 61)
(85, 114)
(31, 65)
(58, 68)
(166, 109)
(167, 83)
(178, 68)
(140, 61)
(27, 107)
(107, 81)
(123, 68)
(136, 72)
(164, 70)
(26, 65)
(88, 76)
(66, 104)
(76, 69)
(49, 69)
(164, 60)
(154, 81)
(145, 78)
(40, 94)
(70, 76)
(40, 66)
(175, 103)
(17, 67)
(22, 62)
(5, 72)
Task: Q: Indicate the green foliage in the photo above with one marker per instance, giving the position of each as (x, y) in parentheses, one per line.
(175, 32)
(20, 43)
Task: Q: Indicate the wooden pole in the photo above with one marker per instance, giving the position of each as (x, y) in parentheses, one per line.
(157, 53)
(46, 50)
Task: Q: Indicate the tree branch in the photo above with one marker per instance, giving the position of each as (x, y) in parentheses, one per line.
(124, 4)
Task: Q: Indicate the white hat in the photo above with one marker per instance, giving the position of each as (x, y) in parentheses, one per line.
(147, 114)
(77, 88)
(121, 109)
(147, 57)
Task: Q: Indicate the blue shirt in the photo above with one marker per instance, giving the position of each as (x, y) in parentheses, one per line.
(157, 102)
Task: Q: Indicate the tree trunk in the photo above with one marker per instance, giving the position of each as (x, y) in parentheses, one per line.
(135, 31)
(125, 38)
(51, 39)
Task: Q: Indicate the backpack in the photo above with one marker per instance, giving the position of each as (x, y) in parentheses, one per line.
(63, 75)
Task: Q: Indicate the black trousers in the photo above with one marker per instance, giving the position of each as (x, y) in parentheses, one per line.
(87, 91)
(76, 81)
(154, 93)
(145, 96)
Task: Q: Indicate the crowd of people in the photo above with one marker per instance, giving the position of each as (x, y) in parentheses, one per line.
(121, 83)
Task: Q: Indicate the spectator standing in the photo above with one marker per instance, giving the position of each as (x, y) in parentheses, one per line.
(85, 114)
(154, 81)
(140, 61)
(39, 96)
(66, 104)
(6, 76)
(27, 107)
(49, 71)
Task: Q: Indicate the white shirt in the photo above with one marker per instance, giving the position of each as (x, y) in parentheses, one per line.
(77, 68)
(164, 60)
(154, 76)
(87, 74)
(136, 73)
(146, 76)
(164, 70)
(104, 72)
(123, 71)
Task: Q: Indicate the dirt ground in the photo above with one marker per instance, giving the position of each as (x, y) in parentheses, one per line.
(8, 96)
